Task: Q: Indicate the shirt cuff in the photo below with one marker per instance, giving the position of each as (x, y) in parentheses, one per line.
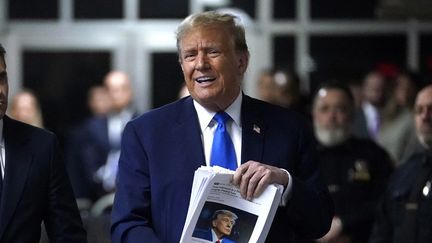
(287, 192)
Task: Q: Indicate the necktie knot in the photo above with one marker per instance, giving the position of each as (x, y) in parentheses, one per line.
(221, 117)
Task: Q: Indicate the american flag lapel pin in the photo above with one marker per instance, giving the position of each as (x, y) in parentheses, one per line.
(257, 129)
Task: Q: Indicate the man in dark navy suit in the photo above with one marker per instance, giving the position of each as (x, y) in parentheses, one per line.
(34, 186)
(162, 148)
(222, 224)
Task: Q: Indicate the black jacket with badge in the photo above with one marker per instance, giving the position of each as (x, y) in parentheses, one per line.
(356, 173)
(405, 215)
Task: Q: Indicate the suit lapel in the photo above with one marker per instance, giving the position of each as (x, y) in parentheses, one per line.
(188, 134)
(18, 161)
(253, 131)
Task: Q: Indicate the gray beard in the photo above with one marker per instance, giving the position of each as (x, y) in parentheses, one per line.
(331, 137)
(425, 140)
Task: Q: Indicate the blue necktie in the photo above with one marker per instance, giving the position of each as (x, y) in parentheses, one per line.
(223, 152)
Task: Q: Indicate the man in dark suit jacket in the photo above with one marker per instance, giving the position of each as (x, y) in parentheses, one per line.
(34, 186)
(162, 149)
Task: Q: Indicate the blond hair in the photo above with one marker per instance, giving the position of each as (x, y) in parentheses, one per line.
(214, 18)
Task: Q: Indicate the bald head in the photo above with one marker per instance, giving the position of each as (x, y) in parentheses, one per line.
(119, 89)
(423, 116)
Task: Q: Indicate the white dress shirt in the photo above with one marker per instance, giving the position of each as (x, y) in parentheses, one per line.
(2, 152)
(116, 124)
(372, 119)
(208, 127)
(214, 236)
(107, 173)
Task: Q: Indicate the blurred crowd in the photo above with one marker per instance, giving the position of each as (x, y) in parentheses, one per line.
(367, 132)
(373, 140)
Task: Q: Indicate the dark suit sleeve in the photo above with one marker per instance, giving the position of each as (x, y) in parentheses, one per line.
(310, 208)
(62, 219)
(131, 215)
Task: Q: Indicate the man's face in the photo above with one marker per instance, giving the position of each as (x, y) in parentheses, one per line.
(423, 116)
(24, 108)
(405, 90)
(332, 109)
(119, 89)
(267, 87)
(4, 88)
(212, 68)
(374, 89)
(332, 116)
(223, 224)
(99, 101)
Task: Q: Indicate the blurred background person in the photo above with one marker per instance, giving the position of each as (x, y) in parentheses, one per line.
(100, 145)
(407, 85)
(119, 89)
(289, 94)
(405, 214)
(99, 104)
(384, 115)
(355, 170)
(25, 108)
(397, 130)
(99, 101)
(267, 87)
(282, 87)
(368, 118)
(93, 152)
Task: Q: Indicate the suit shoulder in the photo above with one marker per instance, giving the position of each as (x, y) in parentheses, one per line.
(25, 131)
(413, 162)
(164, 113)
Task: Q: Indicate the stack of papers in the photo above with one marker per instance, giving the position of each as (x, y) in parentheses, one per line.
(212, 190)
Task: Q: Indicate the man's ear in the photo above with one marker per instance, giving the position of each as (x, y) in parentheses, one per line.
(243, 61)
(181, 65)
(214, 223)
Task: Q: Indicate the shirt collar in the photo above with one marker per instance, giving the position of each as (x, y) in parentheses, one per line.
(368, 107)
(125, 113)
(214, 236)
(205, 116)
